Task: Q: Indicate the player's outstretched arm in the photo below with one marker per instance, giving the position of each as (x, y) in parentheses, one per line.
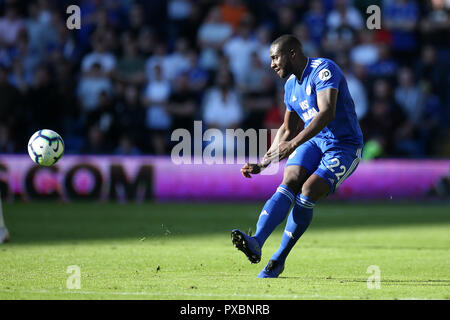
(285, 133)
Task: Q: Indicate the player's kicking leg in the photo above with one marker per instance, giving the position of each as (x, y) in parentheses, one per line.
(298, 221)
(301, 163)
(336, 165)
(273, 213)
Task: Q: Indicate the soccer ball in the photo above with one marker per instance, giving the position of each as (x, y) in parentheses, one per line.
(46, 147)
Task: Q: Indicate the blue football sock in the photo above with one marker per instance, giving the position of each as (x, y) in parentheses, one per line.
(297, 223)
(275, 210)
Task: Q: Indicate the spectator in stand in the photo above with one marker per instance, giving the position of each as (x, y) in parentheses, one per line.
(383, 89)
(42, 97)
(73, 116)
(182, 104)
(178, 60)
(130, 115)
(104, 117)
(211, 36)
(100, 56)
(158, 120)
(6, 142)
(25, 60)
(127, 147)
(222, 107)
(102, 22)
(253, 78)
(233, 11)
(240, 48)
(130, 66)
(434, 121)
(96, 142)
(430, 69)
(118, 13)
(344, 14)
(435, 24)
(401, 17)
(366, 51)
(91, 84)
(36, 29)
(409, 96)
(158, 58)
(342, 25)
(286, 20)
(301, 32)
(11, 24)
(355, 87)
(379, 126)
(12, 113)
(386, 66)
(258, 93)
(315, 19)
(112, 41)
(136, 19)
(146, 41)
(275, 115)
(191, 24)
(198, 77)
(263, 37)
(66, 43)
(178, 12)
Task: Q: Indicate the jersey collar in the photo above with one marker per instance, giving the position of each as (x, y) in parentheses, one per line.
(303, 72)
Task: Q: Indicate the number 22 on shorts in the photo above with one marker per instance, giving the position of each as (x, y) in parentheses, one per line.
(336, 163)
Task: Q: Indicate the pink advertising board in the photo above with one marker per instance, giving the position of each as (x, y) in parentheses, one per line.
(141, 178)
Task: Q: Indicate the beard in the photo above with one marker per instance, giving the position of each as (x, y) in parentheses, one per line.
(285, 70)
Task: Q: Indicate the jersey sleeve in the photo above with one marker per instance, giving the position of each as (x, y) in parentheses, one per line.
(327, 75)
(288, 87)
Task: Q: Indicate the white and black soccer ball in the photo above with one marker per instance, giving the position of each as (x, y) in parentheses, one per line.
(46, 147)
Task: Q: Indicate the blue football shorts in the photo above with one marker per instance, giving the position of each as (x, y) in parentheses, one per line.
(332, 162)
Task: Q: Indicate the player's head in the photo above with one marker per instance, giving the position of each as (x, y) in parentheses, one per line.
(285, 52)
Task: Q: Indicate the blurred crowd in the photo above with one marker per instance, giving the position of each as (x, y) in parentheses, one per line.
(137, 70)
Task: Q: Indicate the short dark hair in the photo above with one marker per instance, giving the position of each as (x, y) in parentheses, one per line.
(288, 42)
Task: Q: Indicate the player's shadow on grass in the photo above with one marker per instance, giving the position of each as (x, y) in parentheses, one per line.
(39, 222)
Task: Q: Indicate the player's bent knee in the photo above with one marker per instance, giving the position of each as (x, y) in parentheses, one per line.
(306, 191)
(294, 177)
(313, 194)
(293, 184)
(315, 188)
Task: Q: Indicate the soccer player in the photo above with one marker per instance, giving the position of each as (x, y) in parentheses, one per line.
(321, 156)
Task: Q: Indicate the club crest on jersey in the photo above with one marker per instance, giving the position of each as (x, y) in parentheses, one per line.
(308, 90)
(324, 74)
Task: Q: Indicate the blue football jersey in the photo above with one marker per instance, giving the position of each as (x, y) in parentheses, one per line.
(300, 95)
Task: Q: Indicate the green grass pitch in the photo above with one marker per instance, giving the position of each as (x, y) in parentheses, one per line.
(184, 251)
